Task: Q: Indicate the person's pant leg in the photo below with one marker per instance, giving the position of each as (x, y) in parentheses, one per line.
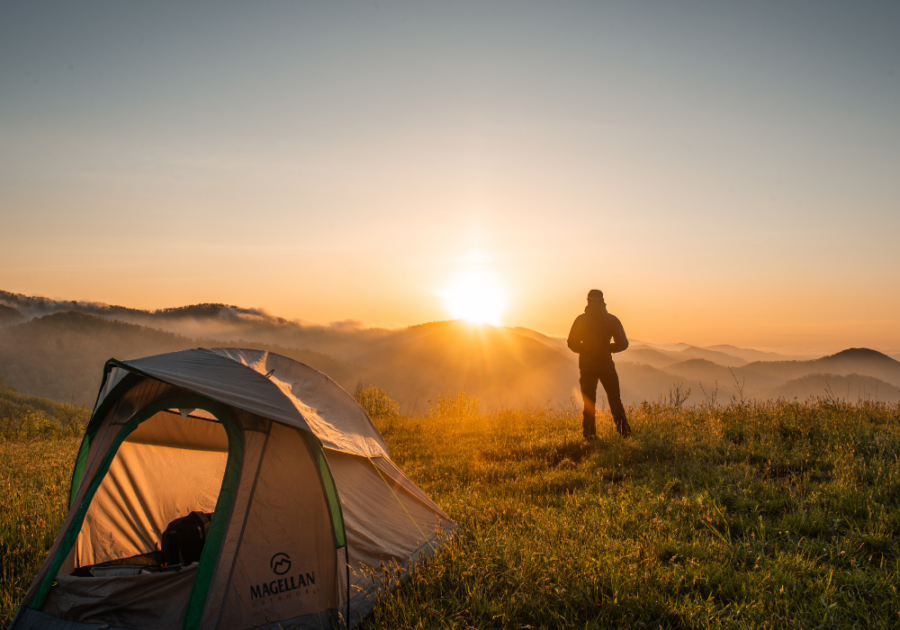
(588, 382)
(609, 378)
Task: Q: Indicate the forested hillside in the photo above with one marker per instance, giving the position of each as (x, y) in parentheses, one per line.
(224, 322)
(9, 315)
(61, 356)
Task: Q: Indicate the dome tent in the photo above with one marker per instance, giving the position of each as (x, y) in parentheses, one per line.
(289, 484)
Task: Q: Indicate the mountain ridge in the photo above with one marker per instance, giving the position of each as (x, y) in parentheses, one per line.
(500, 365)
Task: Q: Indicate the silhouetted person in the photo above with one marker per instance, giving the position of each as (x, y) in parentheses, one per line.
(590, 338)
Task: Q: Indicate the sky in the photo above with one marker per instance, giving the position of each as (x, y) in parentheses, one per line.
(724, 172)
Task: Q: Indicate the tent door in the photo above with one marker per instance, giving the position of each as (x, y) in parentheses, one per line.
(141, 451)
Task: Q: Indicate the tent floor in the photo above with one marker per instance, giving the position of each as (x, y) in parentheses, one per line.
(29, 619)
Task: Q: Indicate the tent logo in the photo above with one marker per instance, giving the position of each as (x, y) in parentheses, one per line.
(286, 586)
(280, 563)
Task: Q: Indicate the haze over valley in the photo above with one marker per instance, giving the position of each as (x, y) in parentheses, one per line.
(57, 349)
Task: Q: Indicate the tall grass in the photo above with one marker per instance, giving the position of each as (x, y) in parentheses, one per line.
(27, 417)
(34, 488)
(753, 515)
(762, 515)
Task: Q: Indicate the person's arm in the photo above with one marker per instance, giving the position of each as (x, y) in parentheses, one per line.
(620, 341)
(575, 337)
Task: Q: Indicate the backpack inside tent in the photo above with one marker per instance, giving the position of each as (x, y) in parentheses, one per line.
(228, 488)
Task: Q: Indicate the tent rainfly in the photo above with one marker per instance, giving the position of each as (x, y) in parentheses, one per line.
(227, 488)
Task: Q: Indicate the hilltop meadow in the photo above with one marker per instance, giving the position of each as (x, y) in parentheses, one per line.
(745, 515)
(759, 490)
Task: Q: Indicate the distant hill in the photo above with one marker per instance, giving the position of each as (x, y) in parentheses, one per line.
(497, 365)
(557, 343)
(61, 356)
(851, 388)
(647, 356)
(707, 379)
(700, 370)
(724, 382)
(749, 355)
(56, 349)
(9, 315)
(862, 361)
(764, 379)
(640, 382)
(669, 347)
(713, 356)
(723, 354)
(660, 358)
(342, 340)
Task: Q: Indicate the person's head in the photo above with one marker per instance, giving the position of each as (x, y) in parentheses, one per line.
(595, 298)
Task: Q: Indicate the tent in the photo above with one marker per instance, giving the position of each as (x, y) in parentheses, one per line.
(228, 488)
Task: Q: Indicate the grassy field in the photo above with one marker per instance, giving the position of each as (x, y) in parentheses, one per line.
(34, 489)
(777, 515)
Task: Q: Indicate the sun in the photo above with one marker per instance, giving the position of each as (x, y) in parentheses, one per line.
(475, 296)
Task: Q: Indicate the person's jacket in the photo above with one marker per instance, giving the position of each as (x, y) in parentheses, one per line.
(591, 334)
